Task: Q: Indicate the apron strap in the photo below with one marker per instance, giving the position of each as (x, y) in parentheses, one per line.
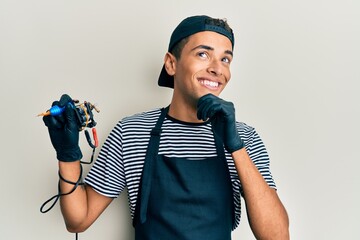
(218, 132)
(151, 154)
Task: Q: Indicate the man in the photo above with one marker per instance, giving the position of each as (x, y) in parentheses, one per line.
(186, 165)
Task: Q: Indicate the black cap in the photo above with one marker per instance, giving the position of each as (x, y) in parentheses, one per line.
(186, 28)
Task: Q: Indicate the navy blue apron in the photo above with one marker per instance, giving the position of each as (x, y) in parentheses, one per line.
(183, 199)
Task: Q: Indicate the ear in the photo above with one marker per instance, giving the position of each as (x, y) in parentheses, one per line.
(170, 63)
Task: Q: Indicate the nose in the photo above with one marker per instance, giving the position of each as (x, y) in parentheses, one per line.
(214, 68)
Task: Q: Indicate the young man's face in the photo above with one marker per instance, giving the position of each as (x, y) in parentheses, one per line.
(204, 66)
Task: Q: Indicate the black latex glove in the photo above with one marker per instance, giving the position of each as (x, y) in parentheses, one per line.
(64, 131)
(222, 114)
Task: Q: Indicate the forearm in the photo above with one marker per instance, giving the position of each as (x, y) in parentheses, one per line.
(267, 216)
(73, 206)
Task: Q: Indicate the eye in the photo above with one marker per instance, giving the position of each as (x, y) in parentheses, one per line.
(226, 59)
(202, 54)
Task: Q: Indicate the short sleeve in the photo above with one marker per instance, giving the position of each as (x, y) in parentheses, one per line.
(107, 174)
(257, 152)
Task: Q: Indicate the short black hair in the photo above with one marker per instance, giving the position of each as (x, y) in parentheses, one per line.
(177, 49)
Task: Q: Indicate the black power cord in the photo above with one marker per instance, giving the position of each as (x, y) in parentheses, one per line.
(56, 197)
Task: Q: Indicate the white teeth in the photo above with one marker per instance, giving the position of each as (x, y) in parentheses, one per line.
(209, 83)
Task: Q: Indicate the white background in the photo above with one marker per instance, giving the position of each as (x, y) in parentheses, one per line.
(295, 78)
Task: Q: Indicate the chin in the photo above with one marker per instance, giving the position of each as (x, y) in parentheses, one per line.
(213, 92)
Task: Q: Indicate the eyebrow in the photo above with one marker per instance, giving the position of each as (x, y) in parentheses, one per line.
(211, 49)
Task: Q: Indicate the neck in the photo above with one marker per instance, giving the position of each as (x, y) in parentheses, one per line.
(183, 112)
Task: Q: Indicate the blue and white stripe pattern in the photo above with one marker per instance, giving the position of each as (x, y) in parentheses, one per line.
(120, 161)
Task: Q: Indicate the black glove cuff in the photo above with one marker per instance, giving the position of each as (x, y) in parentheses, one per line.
(69, 155)
(238, 146)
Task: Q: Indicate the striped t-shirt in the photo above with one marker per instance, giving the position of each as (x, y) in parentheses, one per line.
(120, 161)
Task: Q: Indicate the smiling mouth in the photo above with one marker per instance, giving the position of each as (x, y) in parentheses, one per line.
(209, 84)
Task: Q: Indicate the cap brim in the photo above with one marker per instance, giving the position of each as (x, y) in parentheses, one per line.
(165, 80)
